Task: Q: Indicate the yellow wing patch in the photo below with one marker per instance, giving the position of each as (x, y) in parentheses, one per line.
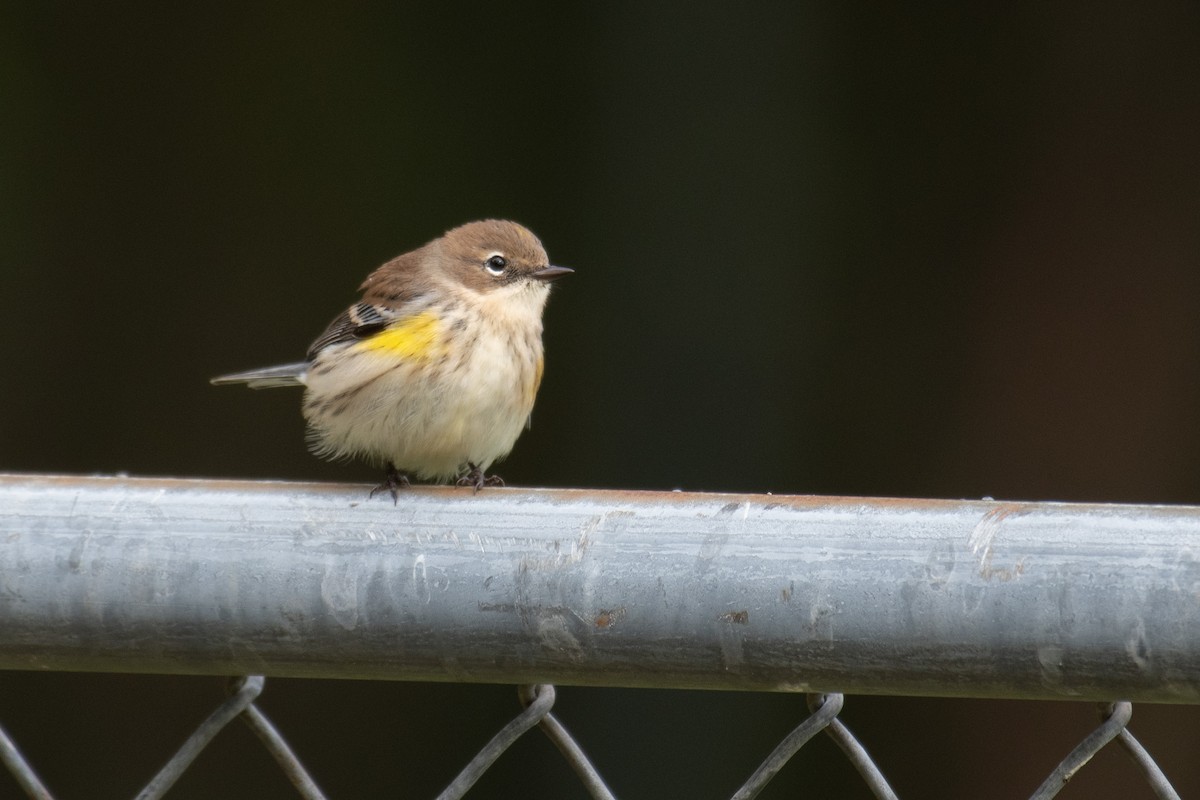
(537, 380)
(417, 337)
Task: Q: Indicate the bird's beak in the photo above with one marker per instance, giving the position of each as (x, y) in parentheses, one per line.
(548, 274)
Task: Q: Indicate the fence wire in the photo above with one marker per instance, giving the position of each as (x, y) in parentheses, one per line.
(537, 702)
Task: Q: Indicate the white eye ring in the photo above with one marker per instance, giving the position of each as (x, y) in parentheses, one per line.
(495, 264)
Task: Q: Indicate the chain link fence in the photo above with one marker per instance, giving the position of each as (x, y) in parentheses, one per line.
(980, 599)
(537, 702)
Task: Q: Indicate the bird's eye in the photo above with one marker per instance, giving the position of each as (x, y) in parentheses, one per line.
(496, 264)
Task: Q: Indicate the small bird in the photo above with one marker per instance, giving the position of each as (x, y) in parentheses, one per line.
(433, 373)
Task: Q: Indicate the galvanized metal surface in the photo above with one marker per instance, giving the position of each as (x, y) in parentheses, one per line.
(980, 599)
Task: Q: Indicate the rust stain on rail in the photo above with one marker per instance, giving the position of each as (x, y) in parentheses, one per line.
(983, 537)
(609, 617)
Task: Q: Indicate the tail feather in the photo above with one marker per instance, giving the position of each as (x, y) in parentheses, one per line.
(268, 377)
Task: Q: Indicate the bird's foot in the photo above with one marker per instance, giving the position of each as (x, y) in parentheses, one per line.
(393, 483)
(477, 480)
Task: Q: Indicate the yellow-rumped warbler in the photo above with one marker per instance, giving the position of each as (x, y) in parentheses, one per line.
(434, 372)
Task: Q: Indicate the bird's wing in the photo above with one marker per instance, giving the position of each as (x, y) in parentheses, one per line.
(360, 321)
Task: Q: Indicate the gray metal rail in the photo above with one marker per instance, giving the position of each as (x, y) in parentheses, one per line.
(978, 598)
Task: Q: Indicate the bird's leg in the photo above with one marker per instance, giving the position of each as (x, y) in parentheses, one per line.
(477, 480)
(394, 482)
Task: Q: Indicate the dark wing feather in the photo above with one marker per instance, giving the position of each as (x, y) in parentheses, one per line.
(354, 324)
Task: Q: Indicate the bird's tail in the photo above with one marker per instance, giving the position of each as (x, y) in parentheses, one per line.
(268, 377)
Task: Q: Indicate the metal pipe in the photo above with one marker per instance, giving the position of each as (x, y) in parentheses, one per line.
(811, 594)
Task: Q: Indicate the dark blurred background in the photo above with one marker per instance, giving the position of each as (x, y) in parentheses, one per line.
(829, 248)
